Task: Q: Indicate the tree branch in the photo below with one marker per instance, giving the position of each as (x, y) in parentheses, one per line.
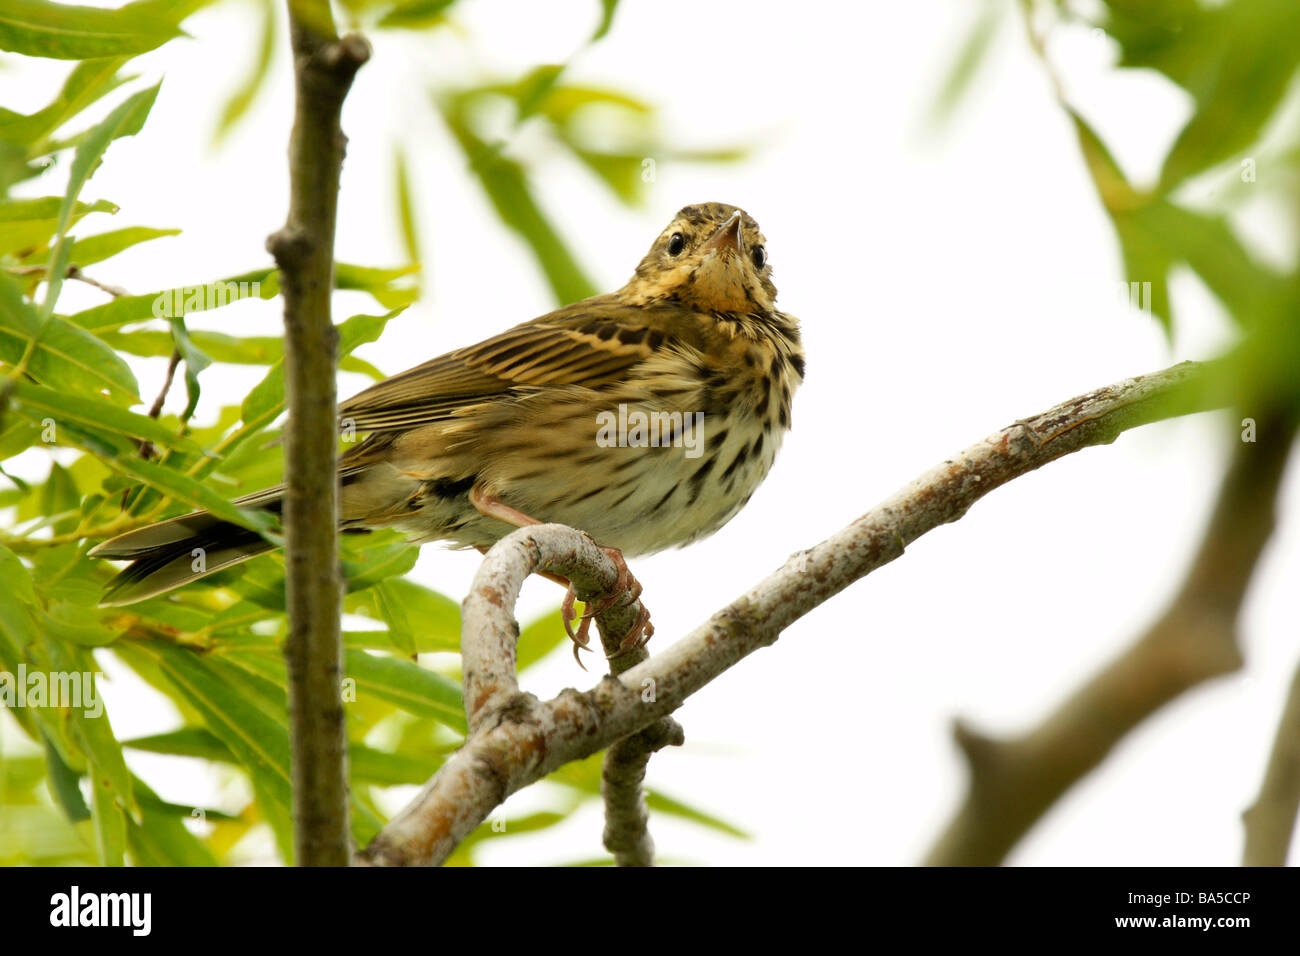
(324, 66)
(1270, 821)
(515, 739)
(627, 834)
(1014, 782)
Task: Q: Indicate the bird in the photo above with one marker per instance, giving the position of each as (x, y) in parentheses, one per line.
(646, 417)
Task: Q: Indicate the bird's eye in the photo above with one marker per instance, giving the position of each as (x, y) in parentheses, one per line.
(676, 244)
(759, 255)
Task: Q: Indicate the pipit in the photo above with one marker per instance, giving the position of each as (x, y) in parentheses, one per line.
(645, 417)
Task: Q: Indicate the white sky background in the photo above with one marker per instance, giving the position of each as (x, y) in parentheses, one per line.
(947, 285)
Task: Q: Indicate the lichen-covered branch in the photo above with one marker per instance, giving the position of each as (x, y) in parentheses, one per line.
(516, 739)
(324, 66)
(1013, 782)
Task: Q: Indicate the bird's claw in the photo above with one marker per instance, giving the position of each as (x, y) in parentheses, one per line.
(626, 590)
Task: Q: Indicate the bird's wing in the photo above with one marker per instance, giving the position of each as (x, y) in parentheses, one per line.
(588, 343)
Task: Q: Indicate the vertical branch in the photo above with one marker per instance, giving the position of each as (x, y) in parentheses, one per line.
(627, 819)
(1270, 821)
(324, 66)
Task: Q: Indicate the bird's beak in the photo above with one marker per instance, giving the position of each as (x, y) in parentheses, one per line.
(728, 239)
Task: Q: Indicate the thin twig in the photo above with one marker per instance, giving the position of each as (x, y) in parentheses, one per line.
(515, 739)
(324, 67)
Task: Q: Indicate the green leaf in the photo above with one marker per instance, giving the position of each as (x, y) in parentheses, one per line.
(65, 32)
(242, 98)
(27, 225)
(186, 490)
(15, 579)
(409, 686)
(93, 249)
(161, 839)
(369, 765)
(511, 196)
(419, 619)
(259, 742)
(109, 821)
(93, 412)
(405, 205)
(538, 638)
(126, 120)
(379, 556)
(178, 301)
(65, 356)
(973, 54)
(415, 14)
(1251, 75)
(88, 82)
(607, 10)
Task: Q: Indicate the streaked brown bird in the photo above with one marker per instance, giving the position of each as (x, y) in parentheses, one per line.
(645, 417)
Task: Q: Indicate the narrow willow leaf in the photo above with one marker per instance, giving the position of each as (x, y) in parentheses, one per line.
(65, 357)
(88, 81)
(127, 120)
(66, 32)
(511, 196)
(415, 14)
(109, 821)
(607, 10)
(405, 205)
(161, 839)
(93, 412)
(93, 249)
(178, 301)
(973, 54)
(260, 743)
(242, 98)
(27, 225)
(409, 686)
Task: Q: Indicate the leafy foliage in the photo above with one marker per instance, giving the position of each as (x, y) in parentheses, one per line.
(70, 401)
(1237, 60)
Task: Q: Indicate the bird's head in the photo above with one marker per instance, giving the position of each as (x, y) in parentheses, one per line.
(712, 258)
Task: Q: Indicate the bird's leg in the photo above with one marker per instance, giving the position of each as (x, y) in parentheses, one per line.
(626, 589)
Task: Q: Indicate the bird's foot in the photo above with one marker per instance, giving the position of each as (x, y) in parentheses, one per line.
(625, 591)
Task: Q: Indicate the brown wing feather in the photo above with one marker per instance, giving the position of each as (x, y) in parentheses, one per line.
(577, 345)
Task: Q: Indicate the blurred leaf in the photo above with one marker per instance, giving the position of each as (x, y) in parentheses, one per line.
(260, 742)
(62, 31)
(372, 558)
(607, 10)
(508, 190)
(1252, 73)
(974, 52)
(242, 98)
(538, 638)
(415, 14)
(405, 205)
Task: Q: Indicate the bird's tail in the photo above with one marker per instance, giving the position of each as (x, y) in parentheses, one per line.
(174, 552)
